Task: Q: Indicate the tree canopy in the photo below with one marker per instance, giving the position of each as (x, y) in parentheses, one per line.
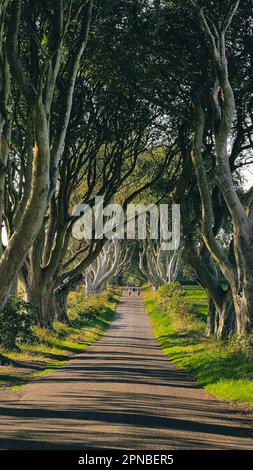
(131, 100)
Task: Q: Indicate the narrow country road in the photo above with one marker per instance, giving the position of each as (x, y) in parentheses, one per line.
(122, 393)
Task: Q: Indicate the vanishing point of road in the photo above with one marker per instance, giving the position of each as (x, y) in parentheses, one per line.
(121, 393)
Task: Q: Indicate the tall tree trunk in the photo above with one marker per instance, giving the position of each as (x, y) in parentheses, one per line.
(20, 242)
(42, 299)
(61, 308)
(211, 326)
(14, 286)
(221, 320)
(240, 278)
(243, 302)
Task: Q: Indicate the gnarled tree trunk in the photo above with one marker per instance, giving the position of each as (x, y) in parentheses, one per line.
(221, 318)
(43, 302)
(61, 308)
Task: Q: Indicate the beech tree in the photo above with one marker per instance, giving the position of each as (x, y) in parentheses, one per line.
(240, 273)
(90, 166)
(5, 126)
(42, 52)
(77, 116)
(159, 266)
(199, 49)
(109, 264)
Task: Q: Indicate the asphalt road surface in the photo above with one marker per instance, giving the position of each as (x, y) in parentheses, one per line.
(122, 393)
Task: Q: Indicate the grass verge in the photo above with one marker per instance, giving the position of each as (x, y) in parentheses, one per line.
(223, 368)
(51, 349)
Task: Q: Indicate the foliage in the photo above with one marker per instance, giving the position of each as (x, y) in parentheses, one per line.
(242, 345)
(223, 368)
(89, 318)
(186, 269)
(132, 278)
(15, 323)
(86, 308)
(51, 349)
(173, 300)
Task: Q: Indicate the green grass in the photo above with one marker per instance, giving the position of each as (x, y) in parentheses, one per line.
(17, 381)
(225, 372)
(198, 299)
(52, 349)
